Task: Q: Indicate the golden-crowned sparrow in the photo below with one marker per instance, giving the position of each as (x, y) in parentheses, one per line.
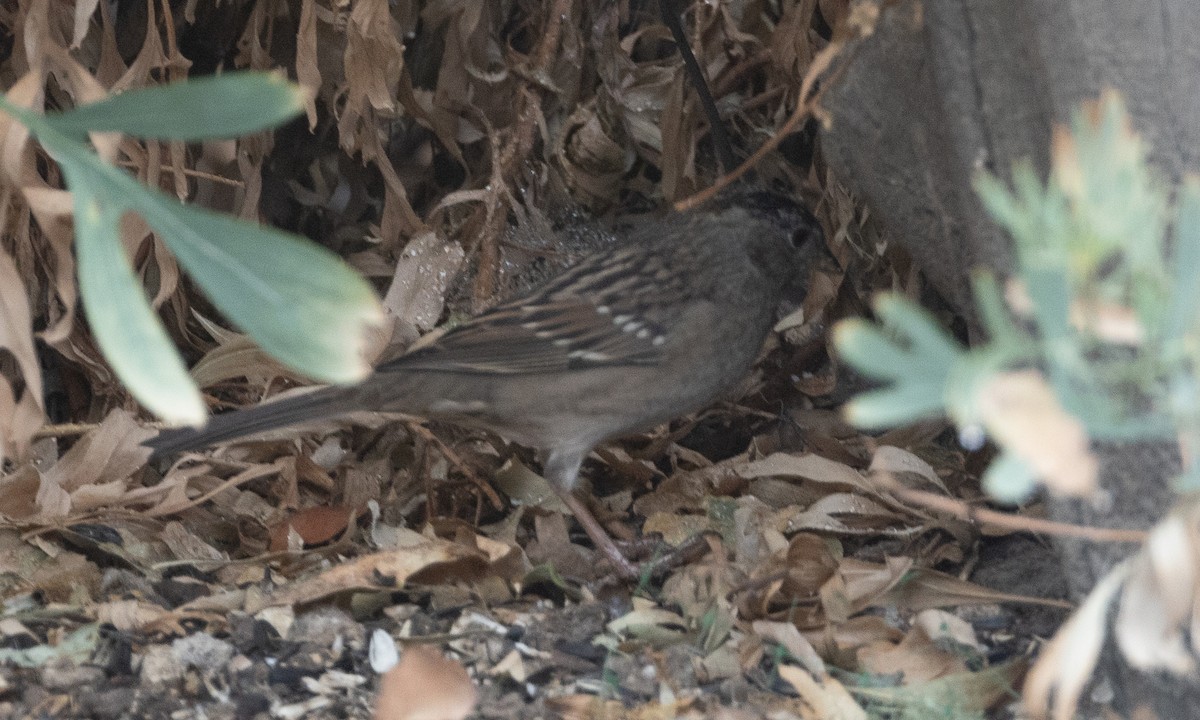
(652, 328)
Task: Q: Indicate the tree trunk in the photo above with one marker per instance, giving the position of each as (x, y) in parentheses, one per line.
(944, 88)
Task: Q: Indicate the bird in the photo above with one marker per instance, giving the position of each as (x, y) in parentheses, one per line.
(653, 327)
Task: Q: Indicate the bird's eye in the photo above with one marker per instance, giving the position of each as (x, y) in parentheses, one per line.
(798, 237)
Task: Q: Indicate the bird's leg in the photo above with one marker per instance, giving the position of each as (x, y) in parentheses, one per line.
(561, 470)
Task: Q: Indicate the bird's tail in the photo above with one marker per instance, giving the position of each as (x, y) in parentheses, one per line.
(318, 405)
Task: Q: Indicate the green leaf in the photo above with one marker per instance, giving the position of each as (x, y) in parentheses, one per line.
(1051, 296)
(930, 342)
(125, 327)
(1009, 479)
(871, 352)
(918, 364)
(1002, 205)
(211, 107)
(993, 313)
(896, 405)
(1113, 193)
(1181, 314)
(299, 301)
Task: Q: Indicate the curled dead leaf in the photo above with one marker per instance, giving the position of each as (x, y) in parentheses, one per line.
(827, 697)
(1057, 681)
(1022, 413)
(1160, 604)
(425, 685)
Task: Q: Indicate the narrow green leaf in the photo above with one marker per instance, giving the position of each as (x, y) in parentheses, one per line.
(128, 333)
(1050, 293)
(1009, 479)
(1181, 314)
(897, 405)
(933, 344)
(993, 312)
(1002, 205)
(298, 300)
(871, 352)
(210, 107)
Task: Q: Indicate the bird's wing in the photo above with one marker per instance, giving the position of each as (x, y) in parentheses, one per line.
(607, 311)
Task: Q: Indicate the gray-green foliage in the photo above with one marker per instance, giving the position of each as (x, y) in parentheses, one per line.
(299, 301)
(1108, 265)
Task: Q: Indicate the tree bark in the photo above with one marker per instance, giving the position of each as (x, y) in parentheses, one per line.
(944, 88)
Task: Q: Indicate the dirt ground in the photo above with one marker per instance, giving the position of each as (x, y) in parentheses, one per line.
(804, 577)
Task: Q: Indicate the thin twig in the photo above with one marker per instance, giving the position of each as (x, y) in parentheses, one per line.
(64, 430)
(458, 462)
(514, 153)
(189, 172)
(1006, 521)
(806, 107)
(720, 138)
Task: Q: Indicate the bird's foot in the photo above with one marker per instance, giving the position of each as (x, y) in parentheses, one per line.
(691, 550)
(598, 535)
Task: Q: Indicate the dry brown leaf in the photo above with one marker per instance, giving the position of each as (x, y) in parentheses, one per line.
(785, 494)
(110, 453)
(431, 562)
(526, 487)
(1024, 416)
(152, 58)
(585, 707)
(919, 657)
(906, 468)
(1160, 611)
(93, 473)
(25, 495)
(16, 336)
(955, 695)
(19, 422)
(847, 514)
(791, 46)
(314, 525)
(827, 698)
(676, 529)
(423, 274)
(652, 624)
(238, 357)
(696, 588)
(186, 545)
(925, 588)
(1064, 667)
(308, 71)
(948, 629)
(83, 17)
(689, 491)
(840, 642)
(593, 161)
(806, 467)
(372, 62)
(170, 496)
(130, 615)
(677, 159)
(553, 545)
(51, 206)
(425, 685)
(802, 579)
(787, 635)
(866, 584)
